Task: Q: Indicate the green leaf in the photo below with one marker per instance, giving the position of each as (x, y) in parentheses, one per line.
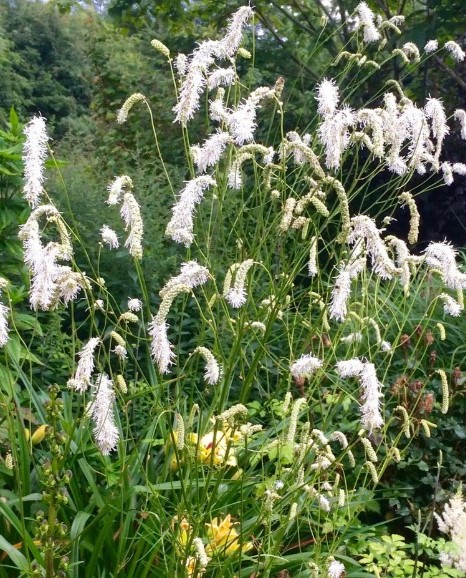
(18, 559)
(26, 322)
(78, 524)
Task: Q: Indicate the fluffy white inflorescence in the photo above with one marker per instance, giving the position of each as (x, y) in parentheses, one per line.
(42, 263)
(371, 417)
(453, 522)
(213, 370)
(109, 237)
(161, 348)
(232, 39)
(181, 63)
(305, 366)
(364, 229)
(366, 21)
(236, 295)
(105, 431)
(192, 274)
(131, 214)
(242, 121)
(3, 316)
(120, 351)
(335, 136)
(197, 67)
(455, 50)
(450, 306)
(442, 256)
(335, 569)
(431, 46)
(221, 77)
(342, 288)
(117, 187)
(134, 305)
(435, 111)
(460, 115)
(181, 225)
(50, 281)
(414, 121)
(69, 284)
(327, 97)
(3, 324)
(82, 377)
(447, 172)
(34, 155)
(209, 154)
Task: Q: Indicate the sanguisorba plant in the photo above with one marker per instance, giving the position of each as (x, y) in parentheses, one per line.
(237, 423)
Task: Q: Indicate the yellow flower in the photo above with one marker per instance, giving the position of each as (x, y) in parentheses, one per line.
(223, 538)
(39, 434)
(215, 447)
(182, 530)
(191, 567)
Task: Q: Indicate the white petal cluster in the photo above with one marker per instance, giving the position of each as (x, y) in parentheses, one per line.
(4, 311)
(50, 281)
(134, 305)
(242, 121)
(82, 377)
(236, 294)
(342, 289)
(221, 77)
(450, 306)
(452, 521)
(400, 133)
(161, 348)
(364, 231)
(109, 237)
(181, 225)
(336, 569)
(209, 154)
(327, 97)
(213, 371)
(115, 189)
(131, 214)
(455, 50)
(334, 134)
(191, 274)
(196, 69)
(431, 46)
(105, 431)
(230, 43)
(460, 115)
(435, 111)
(366, 22)
(305, 366)
(371, 417)
(34, 155)
(442, 256)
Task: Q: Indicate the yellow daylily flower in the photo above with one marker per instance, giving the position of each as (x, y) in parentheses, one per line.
(215, 448)
(223, 537)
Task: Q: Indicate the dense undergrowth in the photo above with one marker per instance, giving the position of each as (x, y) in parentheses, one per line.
(283, 394)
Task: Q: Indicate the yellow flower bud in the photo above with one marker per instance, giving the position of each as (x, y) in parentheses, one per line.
(39, 434)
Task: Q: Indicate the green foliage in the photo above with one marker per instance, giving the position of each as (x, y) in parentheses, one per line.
(288, 495)
(42, 67)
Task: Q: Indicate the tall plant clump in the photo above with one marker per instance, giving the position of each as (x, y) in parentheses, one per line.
(238, 420)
